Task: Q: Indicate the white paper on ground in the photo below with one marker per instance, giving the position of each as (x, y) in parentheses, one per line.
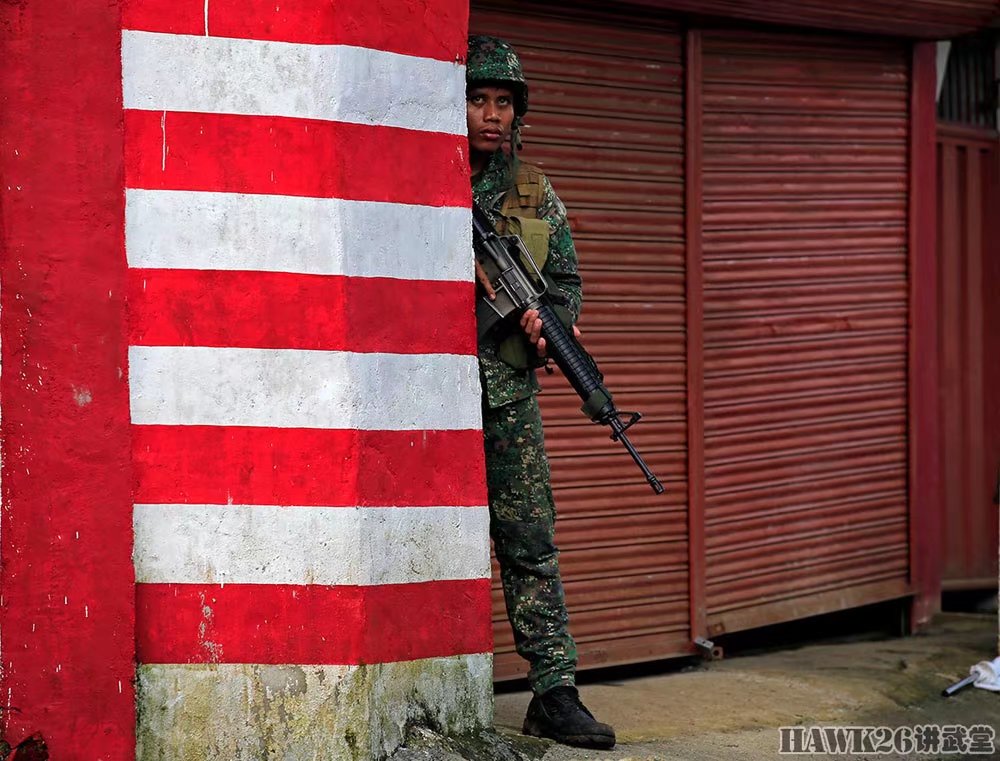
(987, 675)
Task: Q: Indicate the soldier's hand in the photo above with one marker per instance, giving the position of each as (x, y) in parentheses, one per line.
(484, 281)
(532, 326)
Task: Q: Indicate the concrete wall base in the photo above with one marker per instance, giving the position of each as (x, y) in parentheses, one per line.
(244, 712)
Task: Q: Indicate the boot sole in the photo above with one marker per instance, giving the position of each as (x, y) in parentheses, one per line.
(596, 742)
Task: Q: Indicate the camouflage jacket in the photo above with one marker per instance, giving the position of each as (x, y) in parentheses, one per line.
(502, 384)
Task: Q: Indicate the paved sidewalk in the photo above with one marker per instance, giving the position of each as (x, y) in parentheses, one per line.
(731, 709)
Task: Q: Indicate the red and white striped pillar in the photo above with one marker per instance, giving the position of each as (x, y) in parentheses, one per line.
(240, 401)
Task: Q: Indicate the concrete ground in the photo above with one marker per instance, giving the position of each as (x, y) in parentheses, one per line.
(730, 710)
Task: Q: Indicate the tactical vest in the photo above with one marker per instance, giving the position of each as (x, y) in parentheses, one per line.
(520, 217)
(520, 213)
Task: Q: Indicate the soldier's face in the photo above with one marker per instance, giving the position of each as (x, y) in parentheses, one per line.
(489, 115)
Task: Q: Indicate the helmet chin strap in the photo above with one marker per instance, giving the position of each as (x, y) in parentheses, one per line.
(515, 136)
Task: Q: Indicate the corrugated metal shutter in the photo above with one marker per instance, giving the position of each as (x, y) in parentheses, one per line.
(606, 125)
(806, 308)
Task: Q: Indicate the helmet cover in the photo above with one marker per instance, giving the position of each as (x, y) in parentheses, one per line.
(491, 59)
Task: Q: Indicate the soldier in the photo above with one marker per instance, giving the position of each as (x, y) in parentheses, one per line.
(519, 198)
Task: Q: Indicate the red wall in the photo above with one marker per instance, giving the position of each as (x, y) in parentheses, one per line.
(66, 611)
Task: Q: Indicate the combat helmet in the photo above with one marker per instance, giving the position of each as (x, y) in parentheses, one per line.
(491, 59)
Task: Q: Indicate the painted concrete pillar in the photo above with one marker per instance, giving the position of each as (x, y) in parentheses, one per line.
(242, 448)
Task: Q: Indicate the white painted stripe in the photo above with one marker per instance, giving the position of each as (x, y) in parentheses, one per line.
(244, 712)
(314, 236)
(172, 72)
(330, 546)
(291, 388)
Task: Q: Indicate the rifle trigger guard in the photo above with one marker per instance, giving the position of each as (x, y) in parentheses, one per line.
(634, 417)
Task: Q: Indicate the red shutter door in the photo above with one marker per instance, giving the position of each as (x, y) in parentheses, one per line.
(805, 303)
(606, 125)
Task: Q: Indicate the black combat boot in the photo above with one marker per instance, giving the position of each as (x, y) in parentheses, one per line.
(560, 716)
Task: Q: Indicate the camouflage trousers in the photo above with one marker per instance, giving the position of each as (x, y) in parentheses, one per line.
(522, 524)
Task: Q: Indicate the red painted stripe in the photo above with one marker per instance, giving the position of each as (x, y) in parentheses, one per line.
(68, 594)
(168, 16)
(306, 466)
(431, 29)
(291, 156)
(278, 310)
(284, 624)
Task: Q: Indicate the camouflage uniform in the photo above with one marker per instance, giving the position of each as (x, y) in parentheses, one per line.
(522, 511)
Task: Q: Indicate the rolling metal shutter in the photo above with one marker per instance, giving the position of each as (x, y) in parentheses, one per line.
(805, 324)
(606, 125)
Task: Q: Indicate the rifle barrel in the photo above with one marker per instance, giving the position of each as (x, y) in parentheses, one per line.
(651, 479)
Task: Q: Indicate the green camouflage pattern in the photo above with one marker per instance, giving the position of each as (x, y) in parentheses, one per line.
(503, 384)
(491, 59)
(522, 524)
(522, 510)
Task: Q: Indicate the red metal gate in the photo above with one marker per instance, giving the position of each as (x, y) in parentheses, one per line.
(606, 125)
(968, 235)
(805, 324)
(747, 207)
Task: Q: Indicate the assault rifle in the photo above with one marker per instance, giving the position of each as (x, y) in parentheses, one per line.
(520, 286)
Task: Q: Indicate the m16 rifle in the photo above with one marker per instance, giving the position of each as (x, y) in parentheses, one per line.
(520, 286)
